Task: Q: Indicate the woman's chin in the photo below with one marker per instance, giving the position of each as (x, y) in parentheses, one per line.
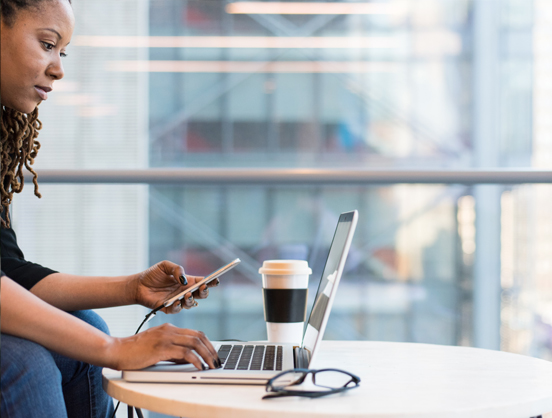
(22, 107)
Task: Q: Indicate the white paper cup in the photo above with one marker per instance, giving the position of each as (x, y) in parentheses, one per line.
(285, 288)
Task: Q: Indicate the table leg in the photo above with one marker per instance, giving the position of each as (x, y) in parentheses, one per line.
(130, 412)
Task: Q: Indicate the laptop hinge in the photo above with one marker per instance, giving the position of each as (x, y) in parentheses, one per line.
(301, 357)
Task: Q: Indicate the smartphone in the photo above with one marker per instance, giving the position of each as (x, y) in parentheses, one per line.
(206, 280)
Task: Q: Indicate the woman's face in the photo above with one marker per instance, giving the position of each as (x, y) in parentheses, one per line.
(31, 51)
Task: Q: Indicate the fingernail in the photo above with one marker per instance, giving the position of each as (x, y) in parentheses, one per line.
(190, 298)
(183, 280)
(219, 363)
(204, 367)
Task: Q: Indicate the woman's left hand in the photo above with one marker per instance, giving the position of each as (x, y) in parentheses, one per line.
(162, 281)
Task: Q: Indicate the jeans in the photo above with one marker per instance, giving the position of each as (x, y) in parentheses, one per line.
(37, 382)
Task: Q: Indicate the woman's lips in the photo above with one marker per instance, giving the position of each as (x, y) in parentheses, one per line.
(42, 91)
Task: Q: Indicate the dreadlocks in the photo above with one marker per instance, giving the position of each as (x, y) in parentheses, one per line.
(19, 149)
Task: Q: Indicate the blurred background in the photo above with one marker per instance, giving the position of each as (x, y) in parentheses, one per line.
(417, 84)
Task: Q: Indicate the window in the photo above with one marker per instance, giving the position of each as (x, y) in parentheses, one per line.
(425, 84)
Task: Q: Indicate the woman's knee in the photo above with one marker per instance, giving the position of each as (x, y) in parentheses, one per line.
(27, 362)
(31, 381)
(93, 319)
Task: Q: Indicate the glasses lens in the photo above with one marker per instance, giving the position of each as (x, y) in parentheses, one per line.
(331, 379)
(287, 380)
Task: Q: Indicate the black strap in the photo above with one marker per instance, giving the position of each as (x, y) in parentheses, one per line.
(285, 305)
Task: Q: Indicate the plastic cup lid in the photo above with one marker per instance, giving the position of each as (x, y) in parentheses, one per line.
(279, 267)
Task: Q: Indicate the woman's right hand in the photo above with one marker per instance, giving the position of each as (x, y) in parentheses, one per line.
(164, 342)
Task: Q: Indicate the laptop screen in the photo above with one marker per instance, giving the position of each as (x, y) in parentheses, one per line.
(329, 280)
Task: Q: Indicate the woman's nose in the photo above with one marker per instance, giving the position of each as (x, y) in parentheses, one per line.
(55, 70)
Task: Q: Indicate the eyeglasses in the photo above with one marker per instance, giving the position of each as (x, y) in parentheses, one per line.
(324, 382)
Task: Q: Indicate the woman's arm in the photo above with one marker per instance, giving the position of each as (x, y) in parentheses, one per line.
(70, 292)
(149, 288)
(26, 316)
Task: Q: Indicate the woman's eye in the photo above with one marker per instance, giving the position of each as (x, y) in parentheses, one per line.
(48, 46)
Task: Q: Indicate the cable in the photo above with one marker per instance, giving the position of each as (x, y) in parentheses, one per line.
(148, 318)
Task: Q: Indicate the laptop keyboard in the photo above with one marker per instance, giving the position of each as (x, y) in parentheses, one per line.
(251, 357)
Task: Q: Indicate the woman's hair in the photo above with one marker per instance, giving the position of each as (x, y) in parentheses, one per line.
(19, 130)
(19, 149)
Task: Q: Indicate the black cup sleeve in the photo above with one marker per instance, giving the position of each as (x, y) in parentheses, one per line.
(285, 305)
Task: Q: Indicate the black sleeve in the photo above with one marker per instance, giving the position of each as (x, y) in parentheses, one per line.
(15, 266)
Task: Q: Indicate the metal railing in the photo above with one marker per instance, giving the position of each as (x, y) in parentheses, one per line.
(290, 176)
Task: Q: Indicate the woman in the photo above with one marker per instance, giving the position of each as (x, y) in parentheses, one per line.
(43, 310)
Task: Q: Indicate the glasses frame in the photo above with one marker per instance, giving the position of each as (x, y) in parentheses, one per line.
(279, 391)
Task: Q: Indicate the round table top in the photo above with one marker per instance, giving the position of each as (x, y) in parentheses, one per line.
(398, 380)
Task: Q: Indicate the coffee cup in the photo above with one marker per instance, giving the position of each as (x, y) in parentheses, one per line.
(285, 290)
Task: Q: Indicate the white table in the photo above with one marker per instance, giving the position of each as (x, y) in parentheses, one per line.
(398, 380)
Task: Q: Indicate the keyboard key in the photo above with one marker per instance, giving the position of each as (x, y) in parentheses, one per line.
(223, 352)
(245, 358)
(279, 357)
(233, 357)
(257, 360)
(269, 357)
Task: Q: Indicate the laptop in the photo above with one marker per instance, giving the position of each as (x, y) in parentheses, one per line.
(256, 362)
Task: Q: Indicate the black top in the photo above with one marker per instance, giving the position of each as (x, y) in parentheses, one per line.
(15, 266)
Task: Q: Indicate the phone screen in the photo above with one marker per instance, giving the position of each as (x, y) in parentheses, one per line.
(207, 279)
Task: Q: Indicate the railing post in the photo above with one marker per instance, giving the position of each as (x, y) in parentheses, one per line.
(486, 275)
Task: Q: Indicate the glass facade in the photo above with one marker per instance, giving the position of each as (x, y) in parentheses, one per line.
(310, 90)
(441, 84)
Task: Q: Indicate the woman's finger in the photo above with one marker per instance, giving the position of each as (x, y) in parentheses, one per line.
(202, 292)
(183, 355)
(179, 274)
(175, 308)
(188, 301)
(214, 283)
(199, 342)
(182, 344)
(193, 358)
(170, 268)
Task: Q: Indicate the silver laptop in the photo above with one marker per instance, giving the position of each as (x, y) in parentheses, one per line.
(256, 362)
